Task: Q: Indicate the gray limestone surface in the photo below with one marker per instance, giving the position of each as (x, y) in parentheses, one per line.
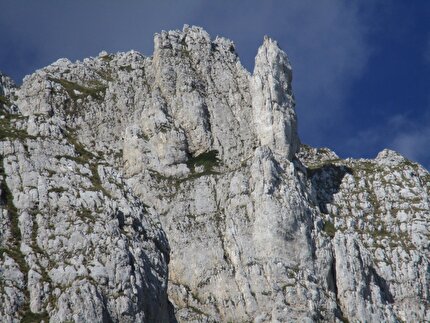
(174, 188)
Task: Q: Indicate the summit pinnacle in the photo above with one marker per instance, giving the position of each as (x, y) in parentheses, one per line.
(174, 188)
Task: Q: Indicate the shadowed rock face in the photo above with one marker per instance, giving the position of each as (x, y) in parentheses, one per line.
(172, 188)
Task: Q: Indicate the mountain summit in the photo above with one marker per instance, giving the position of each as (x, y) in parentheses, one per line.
(174, 188)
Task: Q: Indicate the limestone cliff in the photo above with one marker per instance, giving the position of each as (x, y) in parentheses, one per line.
(174, 188)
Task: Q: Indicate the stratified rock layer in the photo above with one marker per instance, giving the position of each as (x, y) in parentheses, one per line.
(172, 188)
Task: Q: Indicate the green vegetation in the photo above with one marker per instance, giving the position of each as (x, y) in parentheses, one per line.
(95, 180)
(335, 166)
(196, 310)
(57, 190)
(86, 157)
(104, 74)
(6, 200)
(107, 58)
(184, 50)
(368, 167)
(38, 250)
(342, 318)
(409, 163)
(6, 128)
(380, 233)
(327, 162)
(34, 244)
(30, 317)
(126, 68)
(94, 90)
(86, 214)
(329, 228)
(13, 247)
(401, 239)
(209, 160)
(118, 154)
(4, 100)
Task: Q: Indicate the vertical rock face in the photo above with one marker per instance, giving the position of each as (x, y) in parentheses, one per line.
(7, 93)
(7, 85)
(273, 102)
(76, 245)
(172, 188)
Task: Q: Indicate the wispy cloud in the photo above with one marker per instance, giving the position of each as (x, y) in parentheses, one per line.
(415, 144)
(326, 41)
(412, 139)
(78, 29)
(401, 133)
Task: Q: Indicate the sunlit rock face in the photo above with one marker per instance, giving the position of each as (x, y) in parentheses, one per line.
(272, 101)
(174, 188)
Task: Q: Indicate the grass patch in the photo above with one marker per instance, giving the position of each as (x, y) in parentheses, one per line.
(118, 154)
(30, 317)
(209, 160)
(4, 100)
(83, 91)
(329, 229)
(84, 156)
(196, 310)
(104, 74)
(6, 200)
(126, 68)
(86, 214)
(13, 247)
(326, 163)
(380, 233)
(34, 244)
(368, 167)
(107, 58)
(96, 181)
(57, 190)
(40, 251)
(7, 130)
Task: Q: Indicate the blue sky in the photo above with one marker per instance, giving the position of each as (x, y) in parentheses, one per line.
(361, 68)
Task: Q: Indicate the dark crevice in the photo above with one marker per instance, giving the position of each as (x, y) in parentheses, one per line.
(332, 286)
(121, 219)
(386, 296)
(171, 310)
(327, 179)
(106, 316)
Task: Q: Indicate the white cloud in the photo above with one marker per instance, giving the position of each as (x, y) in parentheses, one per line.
(325, 40)
(414, 144)
(401, 133)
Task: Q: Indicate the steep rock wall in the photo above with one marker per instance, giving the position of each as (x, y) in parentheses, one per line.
(132, 181)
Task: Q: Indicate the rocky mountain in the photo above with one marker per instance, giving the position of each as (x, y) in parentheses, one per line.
(174, 188)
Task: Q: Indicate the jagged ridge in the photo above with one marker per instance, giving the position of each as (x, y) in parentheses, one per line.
(129, 181)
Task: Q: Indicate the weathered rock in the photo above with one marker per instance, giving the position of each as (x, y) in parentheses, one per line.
(105, 160)
(7, 94)
(76, 244)
(272, 100)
